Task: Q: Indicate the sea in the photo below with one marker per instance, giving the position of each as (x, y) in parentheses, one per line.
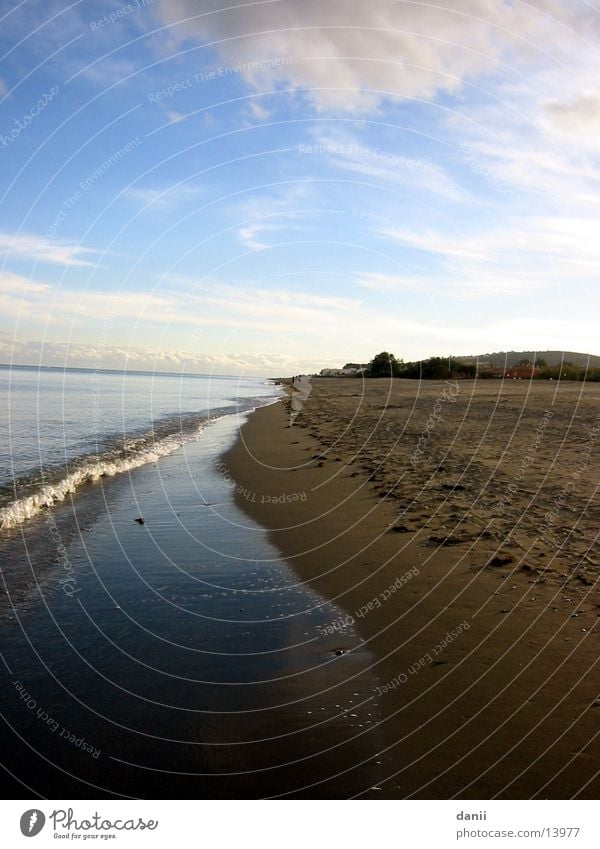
(64, 428)
(175, 657)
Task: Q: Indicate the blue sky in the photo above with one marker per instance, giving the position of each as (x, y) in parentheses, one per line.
(282, 186)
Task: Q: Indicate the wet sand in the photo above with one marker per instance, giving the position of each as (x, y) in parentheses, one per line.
(455, 524)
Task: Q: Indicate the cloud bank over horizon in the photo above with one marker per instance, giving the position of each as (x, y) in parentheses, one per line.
(65, 355)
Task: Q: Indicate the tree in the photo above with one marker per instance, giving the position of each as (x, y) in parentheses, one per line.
(384, 365)
(438, 368)
(435, 368)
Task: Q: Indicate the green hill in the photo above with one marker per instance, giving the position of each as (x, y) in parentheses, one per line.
(506, 359)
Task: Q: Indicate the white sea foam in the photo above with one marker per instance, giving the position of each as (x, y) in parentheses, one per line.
(90, 470)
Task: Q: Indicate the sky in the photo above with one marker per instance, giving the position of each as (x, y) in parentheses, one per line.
(280, 186)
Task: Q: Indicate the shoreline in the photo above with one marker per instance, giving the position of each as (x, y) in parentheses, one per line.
(181, 649)
(482, 674)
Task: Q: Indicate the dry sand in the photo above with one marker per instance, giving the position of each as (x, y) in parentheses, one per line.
(456, 524)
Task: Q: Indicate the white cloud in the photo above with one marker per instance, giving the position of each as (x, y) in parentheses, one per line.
(523, 256)
(541, 334)
(157, 200)
(566, 239)
(449, 246)
(14, 284)
(39, 249)
(352, 55)
(286, 330)
(577, 117)
(208, 304)
(248, 234)
(347, 153)
(76, 355)
(270, 214)
(245, 317)
(525, 171)
(258, 112)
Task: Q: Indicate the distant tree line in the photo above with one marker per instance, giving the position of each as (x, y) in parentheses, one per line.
(562, 371)
(434, 368)
(444, 368)
(568, 371)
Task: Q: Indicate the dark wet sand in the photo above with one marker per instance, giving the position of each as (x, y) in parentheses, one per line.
(467, 559)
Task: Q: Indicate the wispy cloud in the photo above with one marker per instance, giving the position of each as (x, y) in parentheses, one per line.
(270, 214)
(159, 199)
(534, 174)
(14, 284)
(237, 319)
(207, 304)
(257, 111)
(248, 234)
(347, 152)
(523, 255)
(39, 249)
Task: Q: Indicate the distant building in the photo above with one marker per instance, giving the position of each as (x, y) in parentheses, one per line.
(522, 372)
(518, 372)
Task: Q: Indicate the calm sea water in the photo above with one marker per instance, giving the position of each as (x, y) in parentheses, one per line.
(61, 429)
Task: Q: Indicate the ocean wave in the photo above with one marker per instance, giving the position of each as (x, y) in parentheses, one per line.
(88, 471)
(115, 457)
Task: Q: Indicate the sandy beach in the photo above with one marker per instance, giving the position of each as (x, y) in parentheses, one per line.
(455, 525)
